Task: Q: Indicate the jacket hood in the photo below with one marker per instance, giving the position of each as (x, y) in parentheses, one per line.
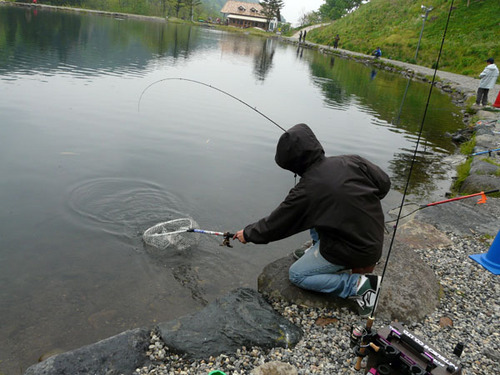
(297, 149)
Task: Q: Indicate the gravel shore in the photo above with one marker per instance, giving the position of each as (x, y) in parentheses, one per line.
(469, 313)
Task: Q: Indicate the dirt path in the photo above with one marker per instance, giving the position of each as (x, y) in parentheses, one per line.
(296, 35)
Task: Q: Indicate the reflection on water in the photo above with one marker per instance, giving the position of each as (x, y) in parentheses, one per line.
(84, 173)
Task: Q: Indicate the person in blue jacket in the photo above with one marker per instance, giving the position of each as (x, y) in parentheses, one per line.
(377, 53)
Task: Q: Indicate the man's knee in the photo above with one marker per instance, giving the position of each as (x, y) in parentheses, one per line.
(294, 277)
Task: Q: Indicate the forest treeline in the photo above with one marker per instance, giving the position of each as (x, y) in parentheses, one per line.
(195, 10)
(403, 29)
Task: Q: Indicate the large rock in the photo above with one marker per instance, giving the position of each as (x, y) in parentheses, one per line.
(241, 318)
(410, 289)
(480, 166)
(478, 182)
(120, 354)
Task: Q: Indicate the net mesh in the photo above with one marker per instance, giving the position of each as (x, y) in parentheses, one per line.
(172, 233)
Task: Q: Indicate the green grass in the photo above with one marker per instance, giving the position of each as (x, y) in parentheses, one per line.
(463, 170)
(467, 148)
(472, 36)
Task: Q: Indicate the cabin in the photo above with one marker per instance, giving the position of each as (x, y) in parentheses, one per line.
(243, 15)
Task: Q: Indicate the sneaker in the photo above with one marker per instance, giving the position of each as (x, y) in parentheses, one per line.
(297, 254)
(366, 294)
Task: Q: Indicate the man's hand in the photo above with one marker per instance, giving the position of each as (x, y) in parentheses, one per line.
(239, 236)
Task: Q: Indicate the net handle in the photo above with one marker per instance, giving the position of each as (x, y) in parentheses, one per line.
(224, 234)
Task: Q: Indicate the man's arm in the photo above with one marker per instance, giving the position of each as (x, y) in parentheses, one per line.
(289, 218)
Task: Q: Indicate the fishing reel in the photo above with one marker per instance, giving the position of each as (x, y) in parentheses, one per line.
(393, 350)
(226, 237)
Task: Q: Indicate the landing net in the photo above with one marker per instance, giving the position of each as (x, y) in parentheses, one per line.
(173, 233)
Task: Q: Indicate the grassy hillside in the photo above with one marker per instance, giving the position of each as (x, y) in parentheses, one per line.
(473, 33)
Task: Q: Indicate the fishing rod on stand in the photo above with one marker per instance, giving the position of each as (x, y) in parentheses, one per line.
(483, 198)
(393, 350)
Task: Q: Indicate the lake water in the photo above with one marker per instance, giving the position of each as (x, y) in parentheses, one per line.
(99, 143)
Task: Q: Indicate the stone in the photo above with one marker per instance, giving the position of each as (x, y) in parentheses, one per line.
(410, 289)
(445, 322)
(479, 166)
(120, 354)
(274, 283)
(477, 182)
(485, 142)
(322, 321)
(241, 318)
(422, 235)
(274, 368)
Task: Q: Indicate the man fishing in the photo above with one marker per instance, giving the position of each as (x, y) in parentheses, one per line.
(339, 197)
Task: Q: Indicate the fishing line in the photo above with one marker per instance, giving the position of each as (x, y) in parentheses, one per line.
(209, 86)
(412, 162)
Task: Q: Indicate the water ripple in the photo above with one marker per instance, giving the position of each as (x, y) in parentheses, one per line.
(121, 206)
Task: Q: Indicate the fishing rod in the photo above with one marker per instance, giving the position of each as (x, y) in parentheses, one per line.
(483, 199)
(365, 338)
(211, 87)
(485, 152)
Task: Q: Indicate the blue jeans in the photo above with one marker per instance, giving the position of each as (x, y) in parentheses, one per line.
(313, 272)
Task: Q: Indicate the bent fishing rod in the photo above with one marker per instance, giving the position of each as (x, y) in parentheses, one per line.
(361, 353)
(211, 87)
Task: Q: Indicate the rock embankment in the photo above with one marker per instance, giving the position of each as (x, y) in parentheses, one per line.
(484, 174)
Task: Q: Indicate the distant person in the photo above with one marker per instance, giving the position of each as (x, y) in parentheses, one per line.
(488, 79)
(377, 53)
(338, 197)
(300, 36)
(336, 41)
(304, 37)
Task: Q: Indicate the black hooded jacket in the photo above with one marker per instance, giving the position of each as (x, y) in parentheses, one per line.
(339, 196)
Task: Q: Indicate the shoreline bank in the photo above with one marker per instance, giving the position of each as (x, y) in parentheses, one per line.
(447, 82)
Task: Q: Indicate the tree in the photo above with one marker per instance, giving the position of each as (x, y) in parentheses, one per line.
(177, 4)
(335, 9)
(272, 8)
(191, 4)
(310, 18)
